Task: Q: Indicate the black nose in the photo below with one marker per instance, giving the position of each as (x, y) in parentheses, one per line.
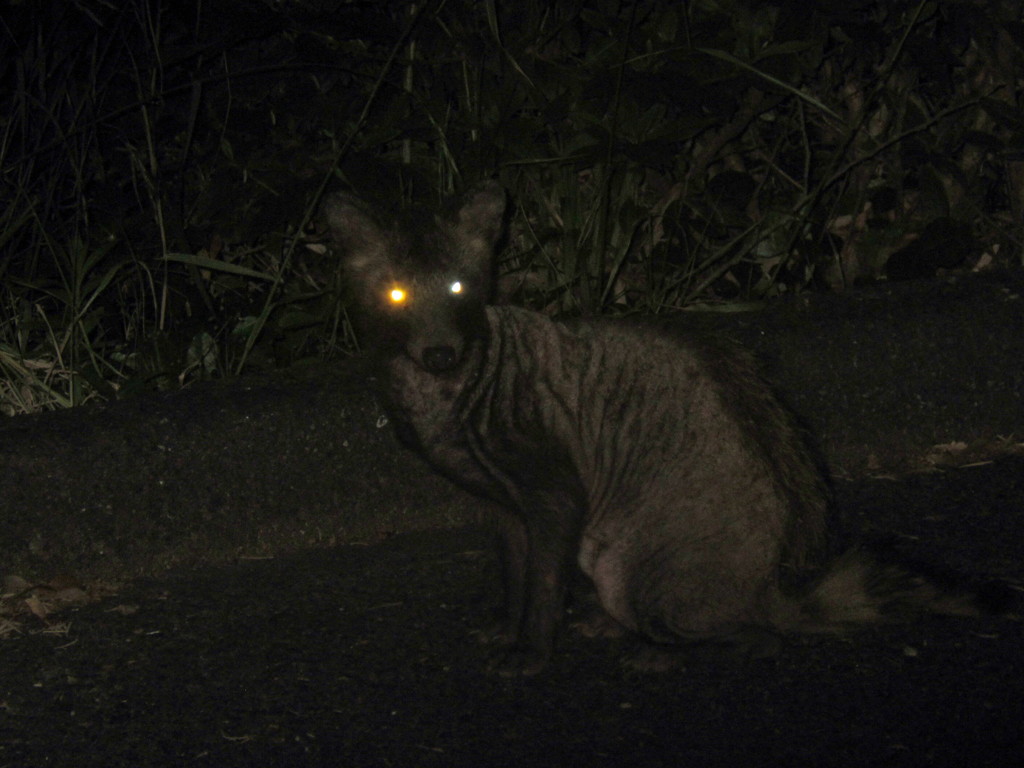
(439, 359)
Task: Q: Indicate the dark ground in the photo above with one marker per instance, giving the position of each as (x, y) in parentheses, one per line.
(364, 656)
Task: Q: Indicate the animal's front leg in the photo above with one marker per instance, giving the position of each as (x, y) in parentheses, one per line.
(512, 547)
(549, 548)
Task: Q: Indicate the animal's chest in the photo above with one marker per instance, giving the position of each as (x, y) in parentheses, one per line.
(485, 432)
(433, 415)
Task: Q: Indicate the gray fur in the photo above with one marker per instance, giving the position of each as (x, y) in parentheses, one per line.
(661, 464)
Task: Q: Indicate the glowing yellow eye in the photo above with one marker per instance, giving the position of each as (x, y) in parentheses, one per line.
(455, 287)
(397, 295)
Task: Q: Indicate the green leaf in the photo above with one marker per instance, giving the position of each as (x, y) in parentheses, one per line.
(724, 56)
(205, 262)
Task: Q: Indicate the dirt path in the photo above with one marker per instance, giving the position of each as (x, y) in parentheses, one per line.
(363, 656)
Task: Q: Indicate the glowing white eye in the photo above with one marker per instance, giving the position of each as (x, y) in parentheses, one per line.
(397, 295)
(455, 287)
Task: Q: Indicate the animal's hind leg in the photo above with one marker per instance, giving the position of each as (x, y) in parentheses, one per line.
(548, 537)
(609, 613)
(589, 617)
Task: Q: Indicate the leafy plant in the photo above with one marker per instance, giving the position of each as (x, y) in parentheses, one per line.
(161, 163)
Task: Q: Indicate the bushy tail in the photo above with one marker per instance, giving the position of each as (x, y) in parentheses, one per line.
(859, 588)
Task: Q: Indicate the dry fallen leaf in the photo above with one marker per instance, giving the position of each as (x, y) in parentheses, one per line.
(14, 584)
(124, 610)
(8, 628)
(70, 596)
(36, 606)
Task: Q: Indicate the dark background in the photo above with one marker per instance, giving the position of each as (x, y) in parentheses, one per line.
(162, 163)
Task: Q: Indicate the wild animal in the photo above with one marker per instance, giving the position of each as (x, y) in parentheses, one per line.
(658, 463)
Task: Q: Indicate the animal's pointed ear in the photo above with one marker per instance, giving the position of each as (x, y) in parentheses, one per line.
(480, 219)
(354, 229)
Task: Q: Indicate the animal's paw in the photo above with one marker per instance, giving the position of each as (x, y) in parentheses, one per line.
(593, 621)
(498, 632)
(518, 661)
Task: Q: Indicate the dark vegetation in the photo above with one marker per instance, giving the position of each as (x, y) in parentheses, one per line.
(160, 163)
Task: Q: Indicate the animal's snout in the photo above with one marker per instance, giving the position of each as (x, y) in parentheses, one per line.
(440, 359)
